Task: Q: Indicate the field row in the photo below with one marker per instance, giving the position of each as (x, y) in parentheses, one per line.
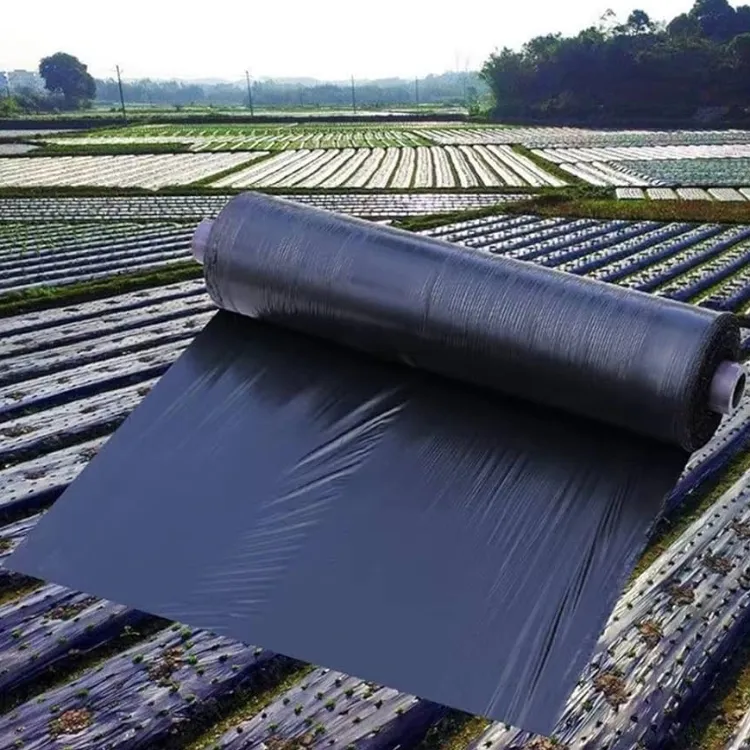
(422, 167)
(677, 259)
(150, 171)
(413, 134)
(216, 139)
(686, 172)
(709, 166)
(687, 194)
(69, 376)
(35, 255)
(146, 690)
(196, 207)
(644, 153)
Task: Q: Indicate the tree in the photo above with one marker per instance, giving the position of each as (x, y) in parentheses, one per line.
(716, 18)
(67, 75)
(639, 22)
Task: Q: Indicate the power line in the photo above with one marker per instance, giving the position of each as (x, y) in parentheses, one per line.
(416, 91)
(354, 97)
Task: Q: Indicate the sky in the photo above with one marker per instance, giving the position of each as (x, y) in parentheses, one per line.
(324, 39)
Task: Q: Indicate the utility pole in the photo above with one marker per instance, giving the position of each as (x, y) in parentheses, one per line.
(416, 91)
(249, 94)
(354, 97)
(122, 96)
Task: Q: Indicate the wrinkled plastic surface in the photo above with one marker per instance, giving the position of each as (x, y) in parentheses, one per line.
(602, 351)
(414, 530)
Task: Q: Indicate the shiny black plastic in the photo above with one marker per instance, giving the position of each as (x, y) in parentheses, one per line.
(408, 528)
(591, 348)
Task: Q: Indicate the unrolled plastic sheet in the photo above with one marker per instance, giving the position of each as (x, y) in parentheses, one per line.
(458, 542)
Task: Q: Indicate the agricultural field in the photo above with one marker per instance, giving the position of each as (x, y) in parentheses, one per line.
(152, 171)
(397, 168)
(80, 672)
(196, 207)
(58, 254)
(77, 671)
(713, 165)
(235, 137)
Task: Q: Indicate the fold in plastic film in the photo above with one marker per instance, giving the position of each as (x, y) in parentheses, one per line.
(402, 523)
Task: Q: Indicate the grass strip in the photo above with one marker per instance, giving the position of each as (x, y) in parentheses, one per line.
(548, 166)
(670, 529)
(74, 665)
(560, 204)
(44, 298)
(711, 727)
(81, 148)
(207, 729)
(198, 188)
(455, 731)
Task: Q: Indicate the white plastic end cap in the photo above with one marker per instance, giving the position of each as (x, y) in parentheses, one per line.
(200, 239)
(727, 388)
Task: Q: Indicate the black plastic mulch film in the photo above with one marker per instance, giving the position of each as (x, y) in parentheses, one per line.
(459, 529)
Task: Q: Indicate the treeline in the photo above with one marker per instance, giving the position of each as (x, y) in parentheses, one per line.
(448, 89)
(639, 69)
(68, 86)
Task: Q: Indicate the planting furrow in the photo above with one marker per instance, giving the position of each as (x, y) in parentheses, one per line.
(665, 640)
(386, 168)
(19, 241)
(310, 171)
(49, 390)
(75, 265)
(526, 240)
(62, 258)
(294, 167)
(444, 176)
(504, 172)
(59, 425)
(330, 709)
(11, 535)
(614, 237)
(509, 233)
(721, 252)
(51, 624)
(424, 171)
(732, 294)
(485, 174)
(462, 168)
(106, 324)
(630, 193)
(666, 233)
(139, 697)
(255, 174)
(63, 358)
(579, 241)
(370, 166)
(347, 171)
(696, 285)
(152, 172)
(693, 194)
(463, 228)
(89, 313)
(657, 254)
(524, 167)
(322, 173)
(404, 173)
(32, 484)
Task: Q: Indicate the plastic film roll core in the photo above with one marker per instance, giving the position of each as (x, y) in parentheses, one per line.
(727, 388)
(200, 239)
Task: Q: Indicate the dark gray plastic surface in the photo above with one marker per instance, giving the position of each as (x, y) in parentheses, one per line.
(407, 528)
